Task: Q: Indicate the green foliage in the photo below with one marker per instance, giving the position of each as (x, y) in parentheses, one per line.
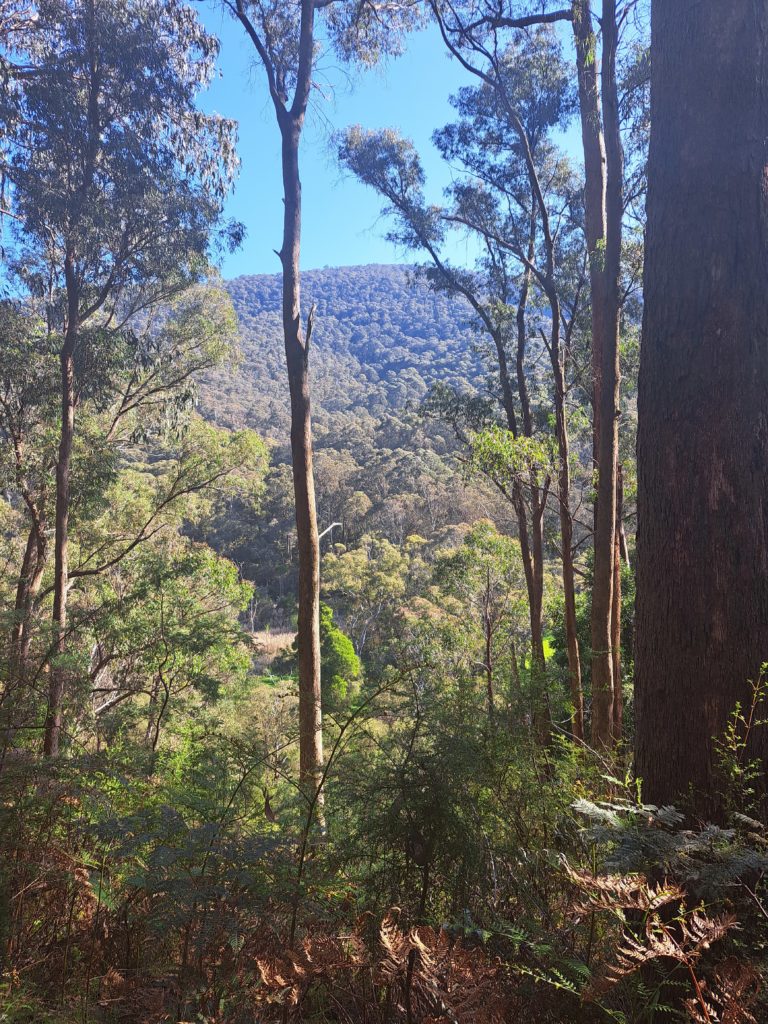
(583, 615)
(740, 772)
(497, 453)
(341, 668)
(111, 161)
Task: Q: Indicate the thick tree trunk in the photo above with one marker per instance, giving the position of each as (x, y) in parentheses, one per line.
(702, 546)
(297, 361)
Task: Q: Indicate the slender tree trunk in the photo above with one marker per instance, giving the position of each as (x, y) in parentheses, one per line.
(149, 729)
(533, 571)
(615, 629)
(522, 327)
(28, 587)
(28, 565)
(603, 168)
(531, 544)
(608, 468)
(488, 636)
(15, 675)
(618, 693)
(56, 686)
(290, 120)
(531, 535)
(297, 361)
(566, 524)
(516, 681)
(53, 721)
(32, 589)
(541, 712)
(702, 545)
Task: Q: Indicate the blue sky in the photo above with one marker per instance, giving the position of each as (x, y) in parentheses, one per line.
(341, 224)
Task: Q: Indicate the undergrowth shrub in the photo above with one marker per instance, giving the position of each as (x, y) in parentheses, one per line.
(465, 874)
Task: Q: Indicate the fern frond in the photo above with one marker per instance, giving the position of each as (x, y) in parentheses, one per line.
(621, 892)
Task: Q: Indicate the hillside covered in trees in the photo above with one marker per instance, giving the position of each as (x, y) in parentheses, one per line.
(381, 340)
(385, 644)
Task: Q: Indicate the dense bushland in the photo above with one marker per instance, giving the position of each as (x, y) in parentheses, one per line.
(318, 689)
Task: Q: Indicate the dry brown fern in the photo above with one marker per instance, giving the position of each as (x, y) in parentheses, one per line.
(727, 999)
(439, 978)
(287, 975)
(621, 892)
(683, 941)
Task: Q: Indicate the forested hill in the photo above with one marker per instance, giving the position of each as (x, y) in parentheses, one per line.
(380, 340)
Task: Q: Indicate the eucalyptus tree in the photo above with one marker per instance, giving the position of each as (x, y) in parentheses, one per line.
(116, 186)
(519, 198)
(289, 43)
(481, 582)
(141, 530)
(473, 31)
(28, 393)
(137, 389)
(702, 587)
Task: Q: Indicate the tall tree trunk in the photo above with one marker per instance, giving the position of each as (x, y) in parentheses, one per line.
(702, 545)
(530, 535)
(531, 544)
(290, 119)
(56, 685)
(488, 660)
(53, 720)
(566, 523)
(297, 361)
(608, 467)
(603, 169)
(618, 693)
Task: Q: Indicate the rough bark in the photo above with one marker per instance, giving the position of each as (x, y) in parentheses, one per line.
(702, 545)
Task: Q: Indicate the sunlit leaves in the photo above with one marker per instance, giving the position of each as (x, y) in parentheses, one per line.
(499, 455)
